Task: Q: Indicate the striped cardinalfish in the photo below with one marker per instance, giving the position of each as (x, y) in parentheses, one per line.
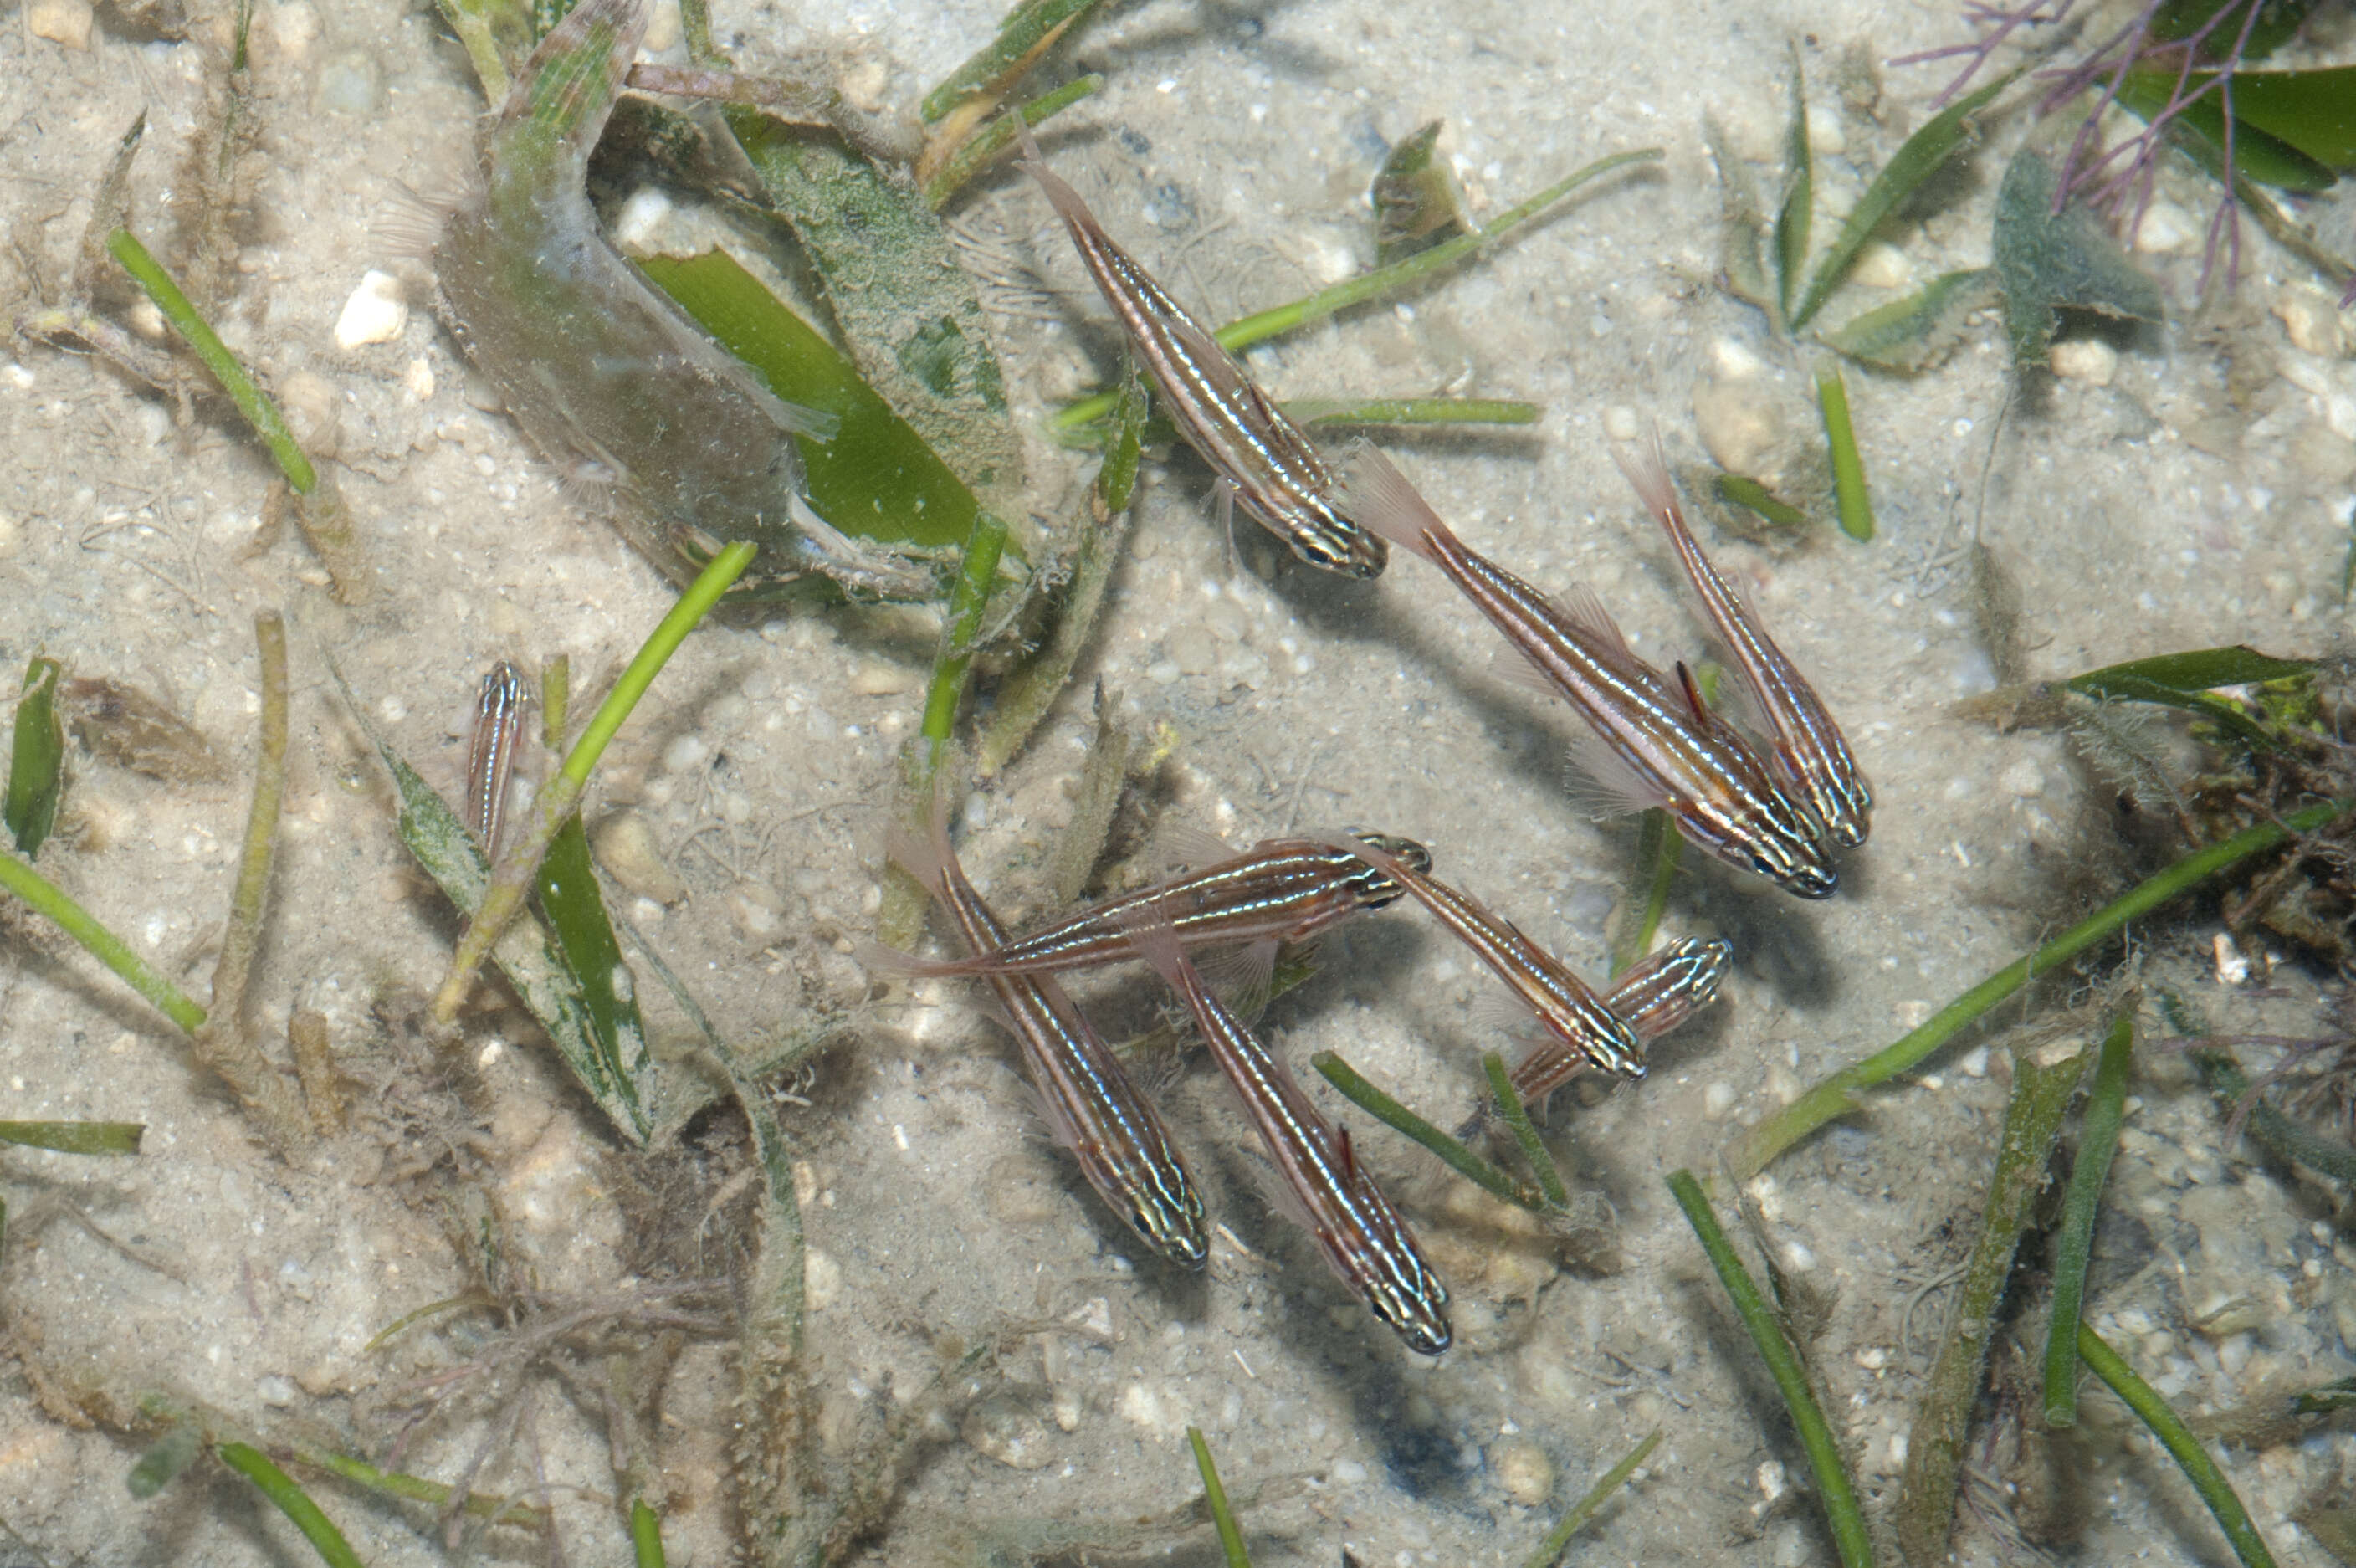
(1095, 1110)
(1649, 745)
(1568, 1014)
(1654, 996)
(491, 753)
(1810, 758)
(1263, 459)
(1279, 890)
(1362, 1236)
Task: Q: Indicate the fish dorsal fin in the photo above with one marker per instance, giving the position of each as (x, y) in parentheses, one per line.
(1582, 610)
(1345, 1157)
(1702, 716)
(1177, 844)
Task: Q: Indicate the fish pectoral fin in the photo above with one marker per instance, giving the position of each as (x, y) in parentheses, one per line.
(1599, 781)
(1244, 977)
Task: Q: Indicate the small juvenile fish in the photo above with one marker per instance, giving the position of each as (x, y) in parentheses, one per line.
(492, 752)
(1263, 459)
(1649, 747)
(1096, 1112)
(1571, 1014)
(606, 376)
(1365, 1241)
(1653, 997)
(1281, 890)
(1810, 757)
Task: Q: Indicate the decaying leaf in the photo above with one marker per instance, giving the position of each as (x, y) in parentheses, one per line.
(2047, 262)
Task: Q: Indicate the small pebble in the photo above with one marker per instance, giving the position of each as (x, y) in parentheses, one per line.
(12, 536)
(626, 846)
(1717, 1100)
(1824, 132)
(374, 314)
(1523, 1470)
(759, 914)
(1190, 649)
(662, 26)
(1880, 265)
(352, 83)
(294, 28)
(2087, 360)
(2311, 320)
(641, 217)
(1620, 423)
(2165, 228)
(63, 22)
(1740, 425)
(2025, 780)
(821, 1281)
(1346, 1473)
(876, 679)
(275, 1390)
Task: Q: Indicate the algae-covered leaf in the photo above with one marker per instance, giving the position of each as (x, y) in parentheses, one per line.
(527, 954)
(877, 478)
(1752, 495)
(2047, 262)
(1919, 330)
(2186, 680)
(1026, 33)
(568, 896)
(2257, 154)
(1031, 691)
(1792, 219)
(1417, 205)
(2201, 669)
(37, 757)
(908, 311)
(1925, 153)
(75, 1137)
(1742, 224)
(126, 726)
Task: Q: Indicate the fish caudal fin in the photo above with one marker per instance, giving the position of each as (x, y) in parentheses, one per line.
(1379, 498)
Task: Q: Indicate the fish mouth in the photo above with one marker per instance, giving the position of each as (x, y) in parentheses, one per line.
(1812, 881)
(1406, 850)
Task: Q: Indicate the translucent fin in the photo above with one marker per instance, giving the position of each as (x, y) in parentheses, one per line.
(1601, 782)
(1067, 201)
(1514, 669)
(1648, 473)
(1156, 940)
(1242, 978)
(1581, 607)
(1378, 497)
(1509, 1015)
(411, 222)
(1278, 1191)
(1177, 844)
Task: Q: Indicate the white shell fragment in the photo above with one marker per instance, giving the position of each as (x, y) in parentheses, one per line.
(375, 314)
(2087, 360)
(63, 22)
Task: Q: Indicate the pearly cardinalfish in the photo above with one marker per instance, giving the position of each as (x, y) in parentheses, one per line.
(1810, 758)
(1566, 1009)
(1263, 459)
(1095, 1110)
(1650, 744)
(1654, 996)
(1281, 890)
(1364, 1238)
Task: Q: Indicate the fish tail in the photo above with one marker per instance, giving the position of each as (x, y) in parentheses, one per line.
(1378, 497)
(1648, 472)
(1067, 202)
